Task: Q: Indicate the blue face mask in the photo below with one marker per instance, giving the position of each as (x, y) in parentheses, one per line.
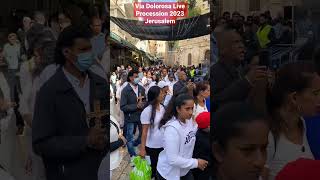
(136, 81)
(84, 61)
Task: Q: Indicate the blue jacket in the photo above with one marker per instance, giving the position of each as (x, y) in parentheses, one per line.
(208, 103)
(313, 135)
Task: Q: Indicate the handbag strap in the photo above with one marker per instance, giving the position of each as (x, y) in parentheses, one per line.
(115, 125)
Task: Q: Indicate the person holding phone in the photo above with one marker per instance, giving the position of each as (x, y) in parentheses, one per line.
(228, 82)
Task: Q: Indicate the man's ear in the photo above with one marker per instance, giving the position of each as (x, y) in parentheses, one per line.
(218, 152)
(66, 52)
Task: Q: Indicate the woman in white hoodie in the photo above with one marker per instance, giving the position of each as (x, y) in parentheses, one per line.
(175, 161)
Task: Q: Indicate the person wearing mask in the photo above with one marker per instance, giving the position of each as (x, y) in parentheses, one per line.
(98, 39)
(201, 92)
(132, 103)
(266, 35)
(202, 147)
(69, 151)
(179, 129)
(228, 82)
(239, 138)
(151, 141)
(294, 95)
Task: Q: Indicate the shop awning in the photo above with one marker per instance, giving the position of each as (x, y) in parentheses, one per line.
(183, 29)
(122, 42)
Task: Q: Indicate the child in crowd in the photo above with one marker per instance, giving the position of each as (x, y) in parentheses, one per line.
(202, 146)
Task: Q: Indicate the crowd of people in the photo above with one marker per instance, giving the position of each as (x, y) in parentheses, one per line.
(264, 120)
(47, 88)
(166, 105)
(263, 31)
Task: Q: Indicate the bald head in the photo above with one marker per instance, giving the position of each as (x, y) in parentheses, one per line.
(230, 45)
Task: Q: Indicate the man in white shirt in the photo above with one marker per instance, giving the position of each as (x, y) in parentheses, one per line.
(11, 52)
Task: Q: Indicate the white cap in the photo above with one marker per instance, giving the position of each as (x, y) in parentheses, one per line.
(163, 84)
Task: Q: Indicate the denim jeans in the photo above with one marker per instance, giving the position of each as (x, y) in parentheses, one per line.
(131, 143)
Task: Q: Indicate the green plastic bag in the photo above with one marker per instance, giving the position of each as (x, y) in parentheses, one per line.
(141, 170)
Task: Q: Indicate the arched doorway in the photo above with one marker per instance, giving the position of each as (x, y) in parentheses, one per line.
(207, 56)
(189, 59)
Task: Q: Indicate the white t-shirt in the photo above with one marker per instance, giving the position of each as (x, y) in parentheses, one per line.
(11, 55)
(286, 152)
(171, 84)
(199, 109)
(176, 159)
(155, 137)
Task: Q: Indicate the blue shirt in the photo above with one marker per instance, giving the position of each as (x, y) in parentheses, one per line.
(98, 45)
(313, 135)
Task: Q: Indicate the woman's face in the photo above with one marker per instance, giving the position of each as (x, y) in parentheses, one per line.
(206, 92)
(149, 75)
(245, 155)
(37, 57)
(186, 110)
(162, 95)
(308, 101)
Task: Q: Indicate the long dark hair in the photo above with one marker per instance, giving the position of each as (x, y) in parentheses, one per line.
(200, 86)
(295, 77)
(176, 102)
(153, 95)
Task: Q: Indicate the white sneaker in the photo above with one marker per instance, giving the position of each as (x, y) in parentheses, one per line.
(131, 161)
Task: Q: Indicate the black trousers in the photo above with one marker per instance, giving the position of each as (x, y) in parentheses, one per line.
(188, 176)
(154, 154)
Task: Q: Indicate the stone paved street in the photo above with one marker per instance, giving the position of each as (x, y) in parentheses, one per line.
(122, 172)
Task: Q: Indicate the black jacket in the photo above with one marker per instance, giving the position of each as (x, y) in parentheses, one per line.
(178, 87)
(228, 85)
(128, 103)
(60, 128)
(202, 150)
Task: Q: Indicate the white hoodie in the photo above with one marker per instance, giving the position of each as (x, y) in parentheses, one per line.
(176, 159)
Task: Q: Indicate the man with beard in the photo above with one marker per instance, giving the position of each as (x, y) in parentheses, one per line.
(228, 82)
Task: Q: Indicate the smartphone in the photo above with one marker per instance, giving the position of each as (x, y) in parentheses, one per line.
(264, 58)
